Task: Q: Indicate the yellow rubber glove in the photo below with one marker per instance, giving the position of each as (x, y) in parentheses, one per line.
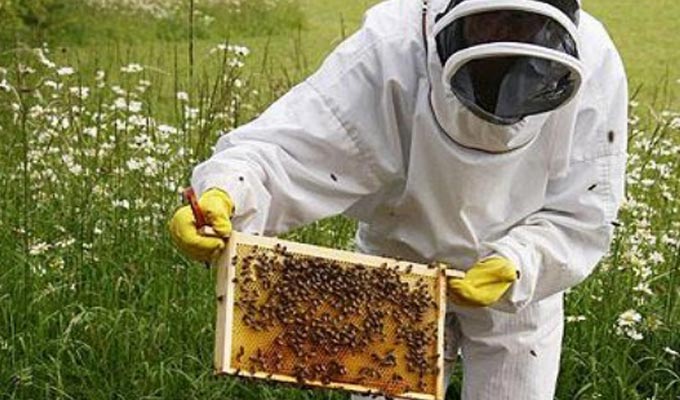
(484, 283)
(218, 208)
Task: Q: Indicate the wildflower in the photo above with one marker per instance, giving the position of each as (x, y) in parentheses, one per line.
(643, 287)
(44, 60)
(135, 106)
(625, 325)
(672, 352)
(167, 129)
(241, 51)
(173, 187)
(120, 125)
(653, 323)
(132, 68)
(656, 257)
(76, 169)
(118, 90)
(219, 47)
(182, 96)
(64, 123)
(163, 148)
(65, 71)
(151, 167)
(675, 123)
(25, 69)
(38, 270)
(133, 164)
(90, 131)
(67, 159)
(80, 91)
(575, 318)
(5, 86)
(121, 204)
(65, 243)
(100, 75)
(643, 272)
(120, 104)
(52, 84)
(234, 63)
(57, 263)
(629, 318)
(137, 120)
(667, 240)
(191, 112)
(635, 335)
(38, 248)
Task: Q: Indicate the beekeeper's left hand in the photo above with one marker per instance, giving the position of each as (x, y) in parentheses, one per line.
(218, 209)
(484, 283)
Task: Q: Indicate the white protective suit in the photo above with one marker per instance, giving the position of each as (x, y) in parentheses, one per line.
(359, 137)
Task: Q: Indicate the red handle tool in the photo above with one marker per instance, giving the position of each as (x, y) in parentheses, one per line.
(201, 223)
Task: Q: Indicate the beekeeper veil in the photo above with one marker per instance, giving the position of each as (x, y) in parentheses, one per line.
(499, 67)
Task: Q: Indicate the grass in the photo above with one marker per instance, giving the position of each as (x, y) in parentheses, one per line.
(646, 35)
(96, 303)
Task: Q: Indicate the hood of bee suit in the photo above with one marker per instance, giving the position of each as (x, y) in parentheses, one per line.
(502, 71)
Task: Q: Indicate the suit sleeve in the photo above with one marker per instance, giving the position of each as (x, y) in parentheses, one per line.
(321, 147)
(559, 246)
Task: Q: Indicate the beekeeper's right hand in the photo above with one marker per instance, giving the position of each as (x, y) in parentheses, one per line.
(484, 283)
(218, 208)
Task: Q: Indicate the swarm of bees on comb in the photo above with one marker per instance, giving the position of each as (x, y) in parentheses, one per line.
(298, 314)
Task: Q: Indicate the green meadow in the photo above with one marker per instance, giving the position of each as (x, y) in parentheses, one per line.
(104, 110)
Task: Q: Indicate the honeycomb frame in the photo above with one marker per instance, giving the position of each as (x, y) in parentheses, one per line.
(229, 344)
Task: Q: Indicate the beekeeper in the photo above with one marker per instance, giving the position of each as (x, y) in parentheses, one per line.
(489, 134)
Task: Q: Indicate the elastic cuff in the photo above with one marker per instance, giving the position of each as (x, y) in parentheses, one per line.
(233, 184)
(520, 293)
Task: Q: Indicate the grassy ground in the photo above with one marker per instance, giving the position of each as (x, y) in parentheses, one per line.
(96, 303)
(646, 35)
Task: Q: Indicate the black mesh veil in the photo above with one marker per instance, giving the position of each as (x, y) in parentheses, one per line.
(504, 88)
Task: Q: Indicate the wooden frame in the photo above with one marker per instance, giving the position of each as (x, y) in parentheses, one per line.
(226, 300)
